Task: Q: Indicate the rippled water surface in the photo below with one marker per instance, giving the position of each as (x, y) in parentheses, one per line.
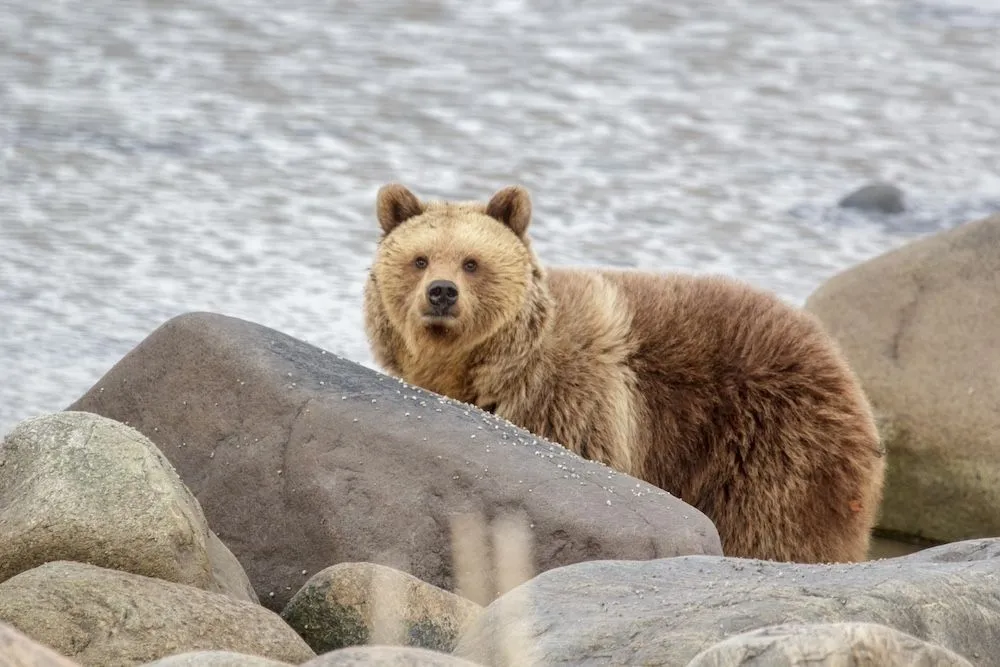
(169, 156)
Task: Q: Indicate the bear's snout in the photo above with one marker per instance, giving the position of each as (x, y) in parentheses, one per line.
(442, 295)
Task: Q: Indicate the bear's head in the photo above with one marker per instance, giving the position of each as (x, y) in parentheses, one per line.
(453, 273)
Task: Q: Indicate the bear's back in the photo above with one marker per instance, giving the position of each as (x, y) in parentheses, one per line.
(701, 329)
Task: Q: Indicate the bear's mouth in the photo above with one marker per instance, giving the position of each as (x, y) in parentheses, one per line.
(439, 326)
(438, 330)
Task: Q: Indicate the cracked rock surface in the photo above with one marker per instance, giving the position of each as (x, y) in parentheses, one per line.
(667, 611)
(920, 327)
(827, 645)
(301, 460)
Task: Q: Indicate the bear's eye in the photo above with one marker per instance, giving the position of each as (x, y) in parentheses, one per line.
(470, 266)
(420, 262)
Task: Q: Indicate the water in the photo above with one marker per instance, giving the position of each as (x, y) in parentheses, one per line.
(179, 155)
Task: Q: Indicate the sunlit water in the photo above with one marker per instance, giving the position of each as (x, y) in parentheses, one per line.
(170, 156)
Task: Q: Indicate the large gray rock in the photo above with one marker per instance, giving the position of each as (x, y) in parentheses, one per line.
(302, 460)
(360, 603)
(666, 611)
(386, 656)
(827, 645)
(109, 618)
(18, 650)
(920, 327)
(78, 486)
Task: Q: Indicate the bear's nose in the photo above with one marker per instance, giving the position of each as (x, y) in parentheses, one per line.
(442, 295)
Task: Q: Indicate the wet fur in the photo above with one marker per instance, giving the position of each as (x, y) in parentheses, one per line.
(708, 388)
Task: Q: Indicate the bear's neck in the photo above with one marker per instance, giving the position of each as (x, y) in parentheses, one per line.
(500, 365)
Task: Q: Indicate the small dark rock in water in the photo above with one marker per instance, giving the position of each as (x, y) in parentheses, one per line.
(880, 197)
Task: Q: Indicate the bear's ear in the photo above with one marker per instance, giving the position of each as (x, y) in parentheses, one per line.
(512, 207)
(395, 205)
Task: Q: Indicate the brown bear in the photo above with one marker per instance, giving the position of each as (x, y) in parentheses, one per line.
(716, 392)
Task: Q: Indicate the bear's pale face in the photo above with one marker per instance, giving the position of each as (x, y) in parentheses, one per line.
(452, 277)
(448, 274)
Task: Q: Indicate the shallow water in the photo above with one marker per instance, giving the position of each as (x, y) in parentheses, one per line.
(181, 155)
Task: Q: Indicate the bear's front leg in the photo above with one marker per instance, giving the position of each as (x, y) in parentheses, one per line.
(612, 439)
(600, 427)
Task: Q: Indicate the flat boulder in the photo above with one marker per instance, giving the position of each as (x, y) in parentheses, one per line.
(920, 325)
(826, 645)
(109, 618)
(667, 611)
(215, 659)
(302, 459)
(82, 487)
(386, 656)
(351, 604)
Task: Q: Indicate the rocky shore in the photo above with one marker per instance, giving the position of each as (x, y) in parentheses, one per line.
(228, 495)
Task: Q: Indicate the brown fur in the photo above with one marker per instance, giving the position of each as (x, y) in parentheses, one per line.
(712, 390)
